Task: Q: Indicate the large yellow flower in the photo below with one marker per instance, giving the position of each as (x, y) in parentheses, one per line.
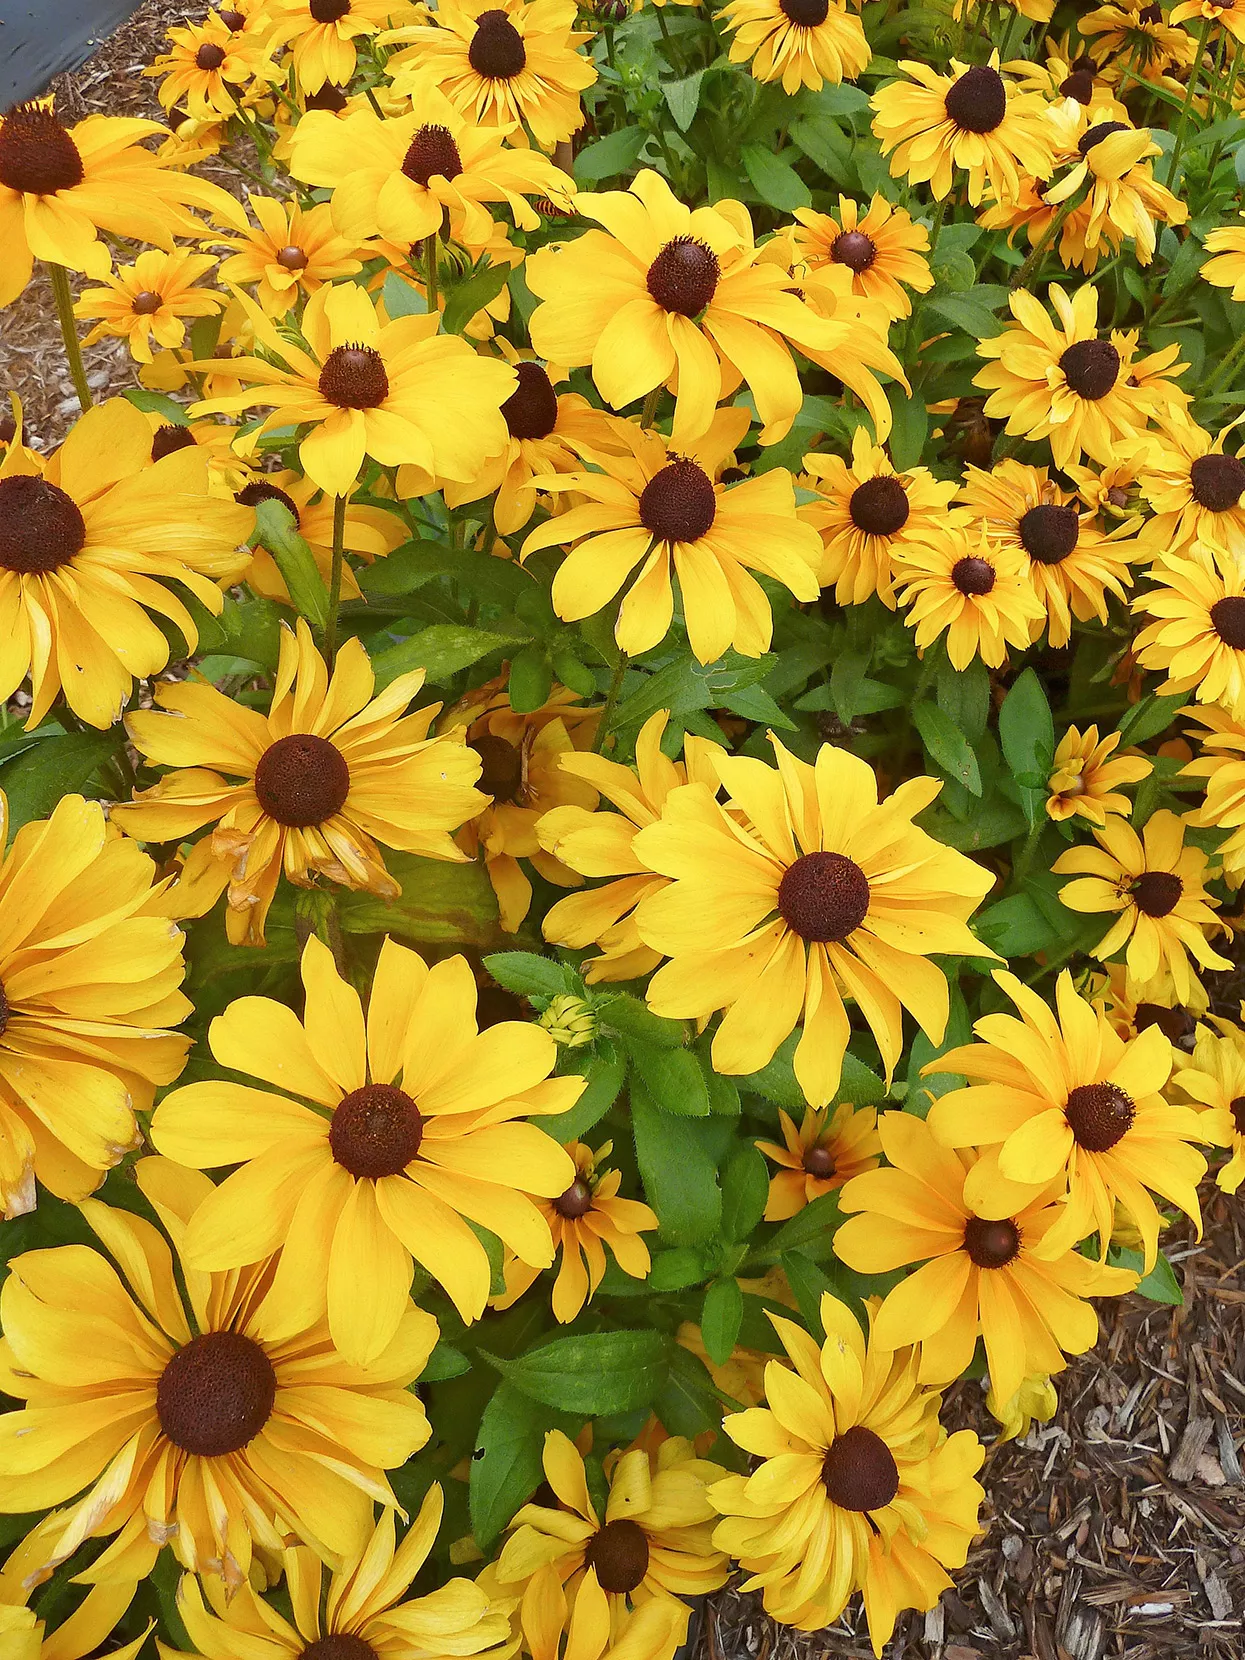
(975, 591)
(1195, 489)
(396, 391)
(826, 1151)
(1085, 778)
(655, 505)
(1066, 1096)
(1222, 765)
(323, 34)
(328, 772)
(820, 892)
(294, 252)
(414, 1124)
(797, 42)
(89, 540)
(1198, 632)
(210, 66)
(147, 301)
(1111, 162)
(858, 1488)
(89, 981)
(983, 1269)
(882, 247)
(155, 1405)
(667, 294)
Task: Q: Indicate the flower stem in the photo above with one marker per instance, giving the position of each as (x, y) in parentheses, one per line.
(611, 700)
(430, 273)
(69, 333)
(1186, 107)
(335, 578)
(1036, 255)
(1225, 365)
(650, 409)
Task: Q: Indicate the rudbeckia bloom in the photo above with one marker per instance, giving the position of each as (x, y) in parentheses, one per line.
(1111, 163)
(667, 291)
(584, 1221)
(1215, 1080)
(975, 591)
(147, 301)
(1131, 1008)
(323, 34)
(820, 1156)
(602, 844)
(980, 1240)
(368, 532)
(797, 42)
(294, 252)
(328, 772)
(1155, 886)
(84, 1631)
(413, 1124)
(1086, 778)
(656, 505)
(89, 979)
(1194, 488)
(1227, 269)
(1136, 32)
(820, 892)
(396, 391)
(209, 66)
(1060, 1093)
(970, 119)
(859, 1487)
(883, 248)
(1198, 632)
(553, 1629)
(1214, 11)
(868, 515)
(89, 539)
(157, 1407)
(503, 63)
(1222, 765)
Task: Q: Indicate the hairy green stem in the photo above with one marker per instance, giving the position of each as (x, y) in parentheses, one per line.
(335, 578)
(69, 332)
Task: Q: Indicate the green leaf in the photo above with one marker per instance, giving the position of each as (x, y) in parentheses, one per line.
(947, 746)
(680, 1179)
(776, 1082)
(755, 704)
(677, 1269)
(277, 529)
(825, 145)
(687, 685)
(810, 1230)
(720, 1319)
(964, 311)
(1149, 717)
(776, 180)
(156, 403)
(35, 780)
(1027, 736)
(442, 650)
(607, 157)
(745, 1188)
(606, 1075)
(683, 98)
(846, 679)
(630, 1018)
(964, 695)
(529, 975)
(507, 1468)
(466, 298)
(1015, 927)
(1160, 1285)
(444, 1362)
(688, 1403)
(530, 681)
(603, 1372)
(402, 299)
(442, 904)
(809, 1283)
(910, 424)
(415, 564)
(672, 1077)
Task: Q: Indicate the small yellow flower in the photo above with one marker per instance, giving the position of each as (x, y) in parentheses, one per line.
(1084, 776)
(209, 65)
(293, 252)
(1215, 1079)
(1036, 1398)
(146, 302)
(978, 592)
(826, 1151)
(883, 248)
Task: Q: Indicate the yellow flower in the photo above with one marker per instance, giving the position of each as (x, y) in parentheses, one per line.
(511, 64)
(414, 1126)
(156, 1405)
(1227, 269)
(396, 391)
(328, 771)
(89, 538)
(1136, 32)
(976, 591)
(656, 506)
(147, 301)
(1156, 885)
(24, 1635)
(970, 119)
(983, 1274)
(799, 42)
(369, 532)
(667, 291)
(1222, 765)
(584, 1220)
(1214, 11)
(1036, 1398)
(859, 1487)
(883, 248)
(1067, 1097)
(820, 1156)
(1215, 1079)
(1111, 163)
(821, 892)
(294, 252)
(1198, 632)
(1194, 489)
(868, 516)
(602, 843)
(209, 65)
(323, 34)
(1132, 1007)
(1085, 779)
(588, 1629)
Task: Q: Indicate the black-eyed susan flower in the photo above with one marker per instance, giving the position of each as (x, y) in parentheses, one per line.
(1198, 633)
(89, 978)
(665, 292)
(1155, 886)
(1137, 33)
(602, 844)
(328, 772)
(980, 1242)
(85, 1630)
(797, 42)
(868, 514)
(826, 1150)
(1210, 11)
(1030, 212)
(402, 1130)
(1110, 162)
(156, 1408)
(883, 248)
(1037, 1398)
(368, 532)
(208, 67)
(146, 303)
(90, 538)
(1227, 268)
(1060, 1093)
(1215, 1080)
(971, 120)
(293, 252)
(397, 391)
(975, 591)
(1131, 1007)
(1087, 774)
(658, 509)
(323, 35)
(1194, 488)
(554, 1627)
(1221, 764)
(821, 893)
(858, 1488)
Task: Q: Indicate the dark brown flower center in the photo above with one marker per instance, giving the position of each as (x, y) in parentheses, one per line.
(1079, 85)
(41, 528)
(302, 780)
(575, 1202)
(376, 1131)
(339, 1645)
(991, 1244)
(1236, 1108)
(1091, 368)
(806, 14)
(684, 276)
(432, 153)
(146, 302)
(977, 102)
(291, 258)
(232, 20)
(819, 1162)
(209, 56)
(1095, 135)
(879, 506)
(1099, 1115)
(37, 155)
(5, 1011)
(1176, 1025)
(328, 11)
(531, 410)
(1150, 14)
(501, 763)
(619, 1553)
(353, 377)
(823, 896)
(859, 1470)
(1217, 482)
(1228, 620)
(973, 575)
(854, 249)
(497, 51)
(329, 97)
(1157, 892)
(216, 1394)
(257, 490)
(1049, 533)
(168, 439)
(678, 503)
